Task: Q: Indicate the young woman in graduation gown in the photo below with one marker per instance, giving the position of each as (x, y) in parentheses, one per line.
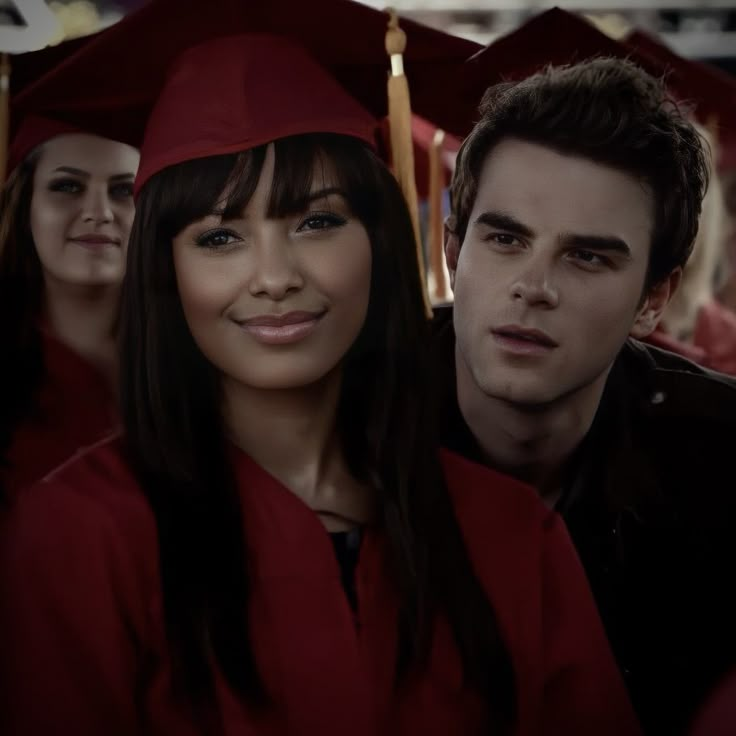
(275, 545)
(67, 209)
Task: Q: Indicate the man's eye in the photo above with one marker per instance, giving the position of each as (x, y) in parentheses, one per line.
(589, 258)
(503, 239)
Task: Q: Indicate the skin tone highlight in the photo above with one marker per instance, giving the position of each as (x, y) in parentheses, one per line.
(549, 283)
(81, 214)
(275, 304)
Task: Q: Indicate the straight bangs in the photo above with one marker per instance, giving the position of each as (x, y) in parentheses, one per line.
(191, 190)
(303, 165)
(308, 163)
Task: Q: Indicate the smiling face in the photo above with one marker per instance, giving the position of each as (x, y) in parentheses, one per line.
(276, 302)
(82, 208)
(549, 279)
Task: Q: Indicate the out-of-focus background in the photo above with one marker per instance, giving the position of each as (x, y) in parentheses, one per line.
(698, 29)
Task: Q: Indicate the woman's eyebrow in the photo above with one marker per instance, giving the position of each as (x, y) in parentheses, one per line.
(71, 170)
(323, 194)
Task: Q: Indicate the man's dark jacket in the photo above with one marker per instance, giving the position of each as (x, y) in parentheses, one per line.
(651, 508)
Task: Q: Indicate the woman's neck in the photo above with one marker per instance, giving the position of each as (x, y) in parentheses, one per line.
(293, 435)
(85, 319)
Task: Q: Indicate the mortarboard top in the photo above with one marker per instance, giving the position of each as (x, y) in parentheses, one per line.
(554, 37)
(28, 67)
(239, 92)
(710, 91)
(245, 73)
(113, 82)
(29, 130)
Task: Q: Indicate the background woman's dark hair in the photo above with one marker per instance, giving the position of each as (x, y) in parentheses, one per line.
(177, 442)
(21, 297)
(609, 111)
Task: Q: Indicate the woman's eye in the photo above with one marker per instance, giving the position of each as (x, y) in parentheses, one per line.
(320, 221)
(66, 186)
(122, 191)
(217, 238)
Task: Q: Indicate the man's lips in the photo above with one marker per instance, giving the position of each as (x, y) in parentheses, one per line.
(516, 332)
(523, 342)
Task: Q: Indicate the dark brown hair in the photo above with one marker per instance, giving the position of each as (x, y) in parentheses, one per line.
(177, 443)
(609, 111)
(21, 297)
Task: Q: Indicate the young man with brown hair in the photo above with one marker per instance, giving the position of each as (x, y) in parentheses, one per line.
(575, 202)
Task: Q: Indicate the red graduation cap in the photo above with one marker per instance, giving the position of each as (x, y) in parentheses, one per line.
(554, 37)
(238, 92)
(245, 73)
(114, 80)
(30, 129)
(711, 92)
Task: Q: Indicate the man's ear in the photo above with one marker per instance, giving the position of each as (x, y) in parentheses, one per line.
(654, 304)
(452, 252)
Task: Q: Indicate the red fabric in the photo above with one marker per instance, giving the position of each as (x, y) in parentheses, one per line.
(75, 410)
(661, 339)
(422, 133)
(84, 648)
(239, 92)
(714, 339)
(711, 91)
(553, 37)
(715, 333)
(33, 131)
(345, 38)
(718, 718)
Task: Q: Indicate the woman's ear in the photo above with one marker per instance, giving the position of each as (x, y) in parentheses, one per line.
(658, 297)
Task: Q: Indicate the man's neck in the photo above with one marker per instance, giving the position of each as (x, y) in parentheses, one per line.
(532, 442)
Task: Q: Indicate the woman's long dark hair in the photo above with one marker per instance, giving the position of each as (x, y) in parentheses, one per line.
(21, 298)
(177, 442)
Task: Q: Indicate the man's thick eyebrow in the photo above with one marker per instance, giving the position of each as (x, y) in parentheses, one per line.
(503, 221)
(597, 242)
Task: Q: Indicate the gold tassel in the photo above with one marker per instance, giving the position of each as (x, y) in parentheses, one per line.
(4, 113)
(436, 225)
(402, 151)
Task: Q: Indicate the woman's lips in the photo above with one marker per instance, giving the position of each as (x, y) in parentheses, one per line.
(272, 329)
(94, 241)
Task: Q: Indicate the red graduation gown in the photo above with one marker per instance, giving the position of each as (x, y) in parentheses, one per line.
(715, 332)
(718, 717)
(84, 651)
(75, 409)
(714, 339)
